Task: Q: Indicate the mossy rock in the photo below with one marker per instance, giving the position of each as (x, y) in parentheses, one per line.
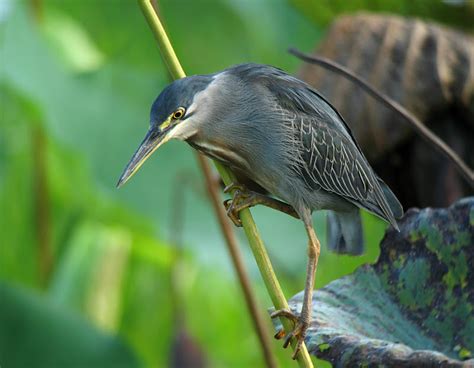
(413, 308)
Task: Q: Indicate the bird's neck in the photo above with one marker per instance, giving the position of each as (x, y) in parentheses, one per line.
(219, 153)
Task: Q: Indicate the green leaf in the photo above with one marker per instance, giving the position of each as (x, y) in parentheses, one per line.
(121, 281)
(413, 307)
(84, 56)
(35, 333)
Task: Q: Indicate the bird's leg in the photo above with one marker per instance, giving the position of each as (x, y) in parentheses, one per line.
(302, 322)
(244, 198)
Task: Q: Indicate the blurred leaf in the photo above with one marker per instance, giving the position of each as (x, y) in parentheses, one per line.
(116, 28)
(36, 333)
(257, 31)
(120, 280)
(89, 274)
(18, 257)
(72, 42)
(90, 233)
(414, 307)
(147, 308)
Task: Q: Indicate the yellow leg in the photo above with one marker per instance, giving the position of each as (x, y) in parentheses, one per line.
(302, 322)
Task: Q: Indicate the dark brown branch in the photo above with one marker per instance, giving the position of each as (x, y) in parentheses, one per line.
(417, 125)
(40, 185)
(41, 200)
(212, 186)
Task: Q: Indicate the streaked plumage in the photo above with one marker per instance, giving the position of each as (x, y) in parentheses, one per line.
(326, 154)
(279, 134)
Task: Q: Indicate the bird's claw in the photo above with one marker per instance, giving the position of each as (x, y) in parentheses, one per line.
(232, 213)
(298, 332)
(286, 314)
(237, 203)
(280, 334)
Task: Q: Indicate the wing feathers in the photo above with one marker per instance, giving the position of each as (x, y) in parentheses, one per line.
(331, 161)
(326, 153)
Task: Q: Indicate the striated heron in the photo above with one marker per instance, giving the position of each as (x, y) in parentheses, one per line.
(282, 138)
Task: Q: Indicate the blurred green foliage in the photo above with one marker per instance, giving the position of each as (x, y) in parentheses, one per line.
(457, 13)
(33, 328)
(76, 83)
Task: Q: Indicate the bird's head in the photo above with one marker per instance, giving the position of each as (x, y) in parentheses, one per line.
(174, 114)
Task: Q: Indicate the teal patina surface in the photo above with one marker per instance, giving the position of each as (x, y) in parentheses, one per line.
(413, 308)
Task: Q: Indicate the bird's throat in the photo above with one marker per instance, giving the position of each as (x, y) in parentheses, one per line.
(216, 152)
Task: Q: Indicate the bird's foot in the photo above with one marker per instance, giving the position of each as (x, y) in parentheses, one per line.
(299, 330)
(244, 198)
(241, 199)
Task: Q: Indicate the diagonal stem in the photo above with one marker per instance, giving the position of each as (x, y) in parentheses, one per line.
(261, 256)
(231, 241)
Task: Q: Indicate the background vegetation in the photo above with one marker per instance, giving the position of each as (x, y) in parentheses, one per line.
(136, 275)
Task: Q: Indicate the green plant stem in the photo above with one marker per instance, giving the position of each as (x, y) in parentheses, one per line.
(262, 329)
(261, 256)
(212, 186)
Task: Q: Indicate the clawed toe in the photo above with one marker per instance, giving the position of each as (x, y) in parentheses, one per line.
(232, 213)
(280, 334)
(298, 333)
(237, 203)
(286, 314)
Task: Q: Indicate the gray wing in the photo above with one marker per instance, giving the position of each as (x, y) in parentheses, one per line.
(293, 94)
(330, 158)
(331, 161)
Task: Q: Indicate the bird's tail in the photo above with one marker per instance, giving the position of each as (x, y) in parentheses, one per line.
(392, 201)
(383, 203)
(344, 232)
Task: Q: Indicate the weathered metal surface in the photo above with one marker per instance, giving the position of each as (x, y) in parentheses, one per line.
(413, 308)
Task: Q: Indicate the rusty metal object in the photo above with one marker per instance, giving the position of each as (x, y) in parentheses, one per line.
(427, 68)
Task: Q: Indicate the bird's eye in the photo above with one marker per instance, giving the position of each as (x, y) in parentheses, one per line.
(178, 114)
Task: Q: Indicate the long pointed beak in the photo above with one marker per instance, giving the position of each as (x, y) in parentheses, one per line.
(153, 140)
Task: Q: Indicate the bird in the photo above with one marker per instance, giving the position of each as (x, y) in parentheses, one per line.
(290, 150)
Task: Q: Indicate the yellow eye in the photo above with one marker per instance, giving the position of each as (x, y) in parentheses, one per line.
(178, 114)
